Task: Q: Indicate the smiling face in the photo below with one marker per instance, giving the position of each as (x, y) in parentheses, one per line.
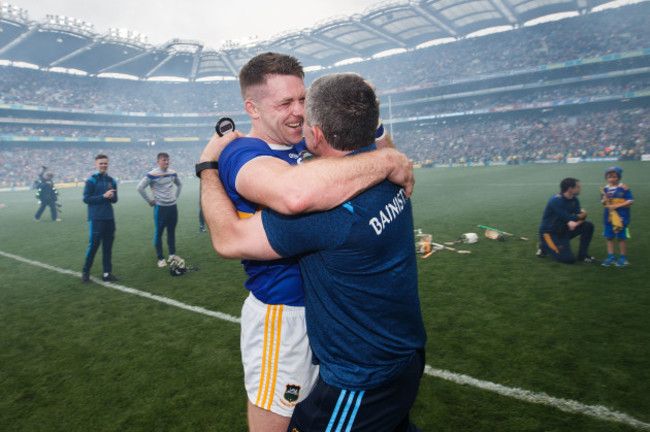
(101, 165)
(277, 109)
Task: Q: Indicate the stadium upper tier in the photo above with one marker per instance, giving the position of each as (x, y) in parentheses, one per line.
(578, 87)
(68, 43)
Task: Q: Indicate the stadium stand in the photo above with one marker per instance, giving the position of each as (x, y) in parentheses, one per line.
(573, 88)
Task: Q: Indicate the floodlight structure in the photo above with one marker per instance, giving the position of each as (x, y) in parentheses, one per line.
(65, 23)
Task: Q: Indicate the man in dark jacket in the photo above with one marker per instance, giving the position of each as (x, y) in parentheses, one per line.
(562, 221)
(100, 193)
(47, 194)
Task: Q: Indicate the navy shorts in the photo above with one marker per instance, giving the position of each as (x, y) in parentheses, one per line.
(384, 409)
(608, 232)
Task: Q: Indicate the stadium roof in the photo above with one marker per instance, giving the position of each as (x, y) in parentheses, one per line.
(62, 42)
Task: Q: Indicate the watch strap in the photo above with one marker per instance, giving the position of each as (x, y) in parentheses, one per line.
(205, 165)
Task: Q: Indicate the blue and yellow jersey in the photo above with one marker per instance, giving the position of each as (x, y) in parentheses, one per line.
(617, 195)
(276, 281)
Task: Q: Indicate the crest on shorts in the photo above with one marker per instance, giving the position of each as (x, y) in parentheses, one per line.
(292, 392)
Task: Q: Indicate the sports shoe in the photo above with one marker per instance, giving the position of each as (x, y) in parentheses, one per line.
(175, 258)
(540, 252)
(162, 262)
(109, 277)
(622, 262)
(608, 261)
(85, 277)
(590, 259)
(202, 229)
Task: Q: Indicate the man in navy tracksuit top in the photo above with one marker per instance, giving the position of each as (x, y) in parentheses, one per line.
(563, 220)
(100, 193)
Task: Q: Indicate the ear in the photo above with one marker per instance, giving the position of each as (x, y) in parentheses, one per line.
(319, 138)
(251, 108)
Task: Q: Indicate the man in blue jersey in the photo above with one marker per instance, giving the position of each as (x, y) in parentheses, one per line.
(562, 221)
(265, 169)
(165, 187)
(100, 193)
(359, 270)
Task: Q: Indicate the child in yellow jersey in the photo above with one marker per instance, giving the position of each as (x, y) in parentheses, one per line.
(617, 199)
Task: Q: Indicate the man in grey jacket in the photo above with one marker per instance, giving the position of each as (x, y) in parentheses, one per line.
(162, 181)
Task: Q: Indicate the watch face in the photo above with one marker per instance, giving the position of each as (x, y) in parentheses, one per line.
(224, 125)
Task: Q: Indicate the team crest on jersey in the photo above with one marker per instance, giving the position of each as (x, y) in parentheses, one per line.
(305, 155)
(292, 393)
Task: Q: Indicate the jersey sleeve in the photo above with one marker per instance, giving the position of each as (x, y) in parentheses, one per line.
(237, 154)
(141, 188)
(179, 184)
(90, 195)
(114, 183)
(232, 159)
(627, 194)
(294, 235)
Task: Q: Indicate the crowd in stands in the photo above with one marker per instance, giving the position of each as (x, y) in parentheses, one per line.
(506, 138)
(96, 94)
(19, 166)
(529, 137)
(515, 137)
(556, 93)
(596, 34)
(131, 133)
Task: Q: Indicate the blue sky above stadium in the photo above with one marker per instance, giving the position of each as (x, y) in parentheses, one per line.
(211, 22)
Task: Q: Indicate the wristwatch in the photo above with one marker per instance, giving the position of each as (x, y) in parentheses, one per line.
(205, 165)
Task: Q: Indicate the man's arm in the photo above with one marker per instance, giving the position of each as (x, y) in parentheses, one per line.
(89, 193)
(231, 236)
(113, 197)
(320, 184)
(141, 188)
(179, 185)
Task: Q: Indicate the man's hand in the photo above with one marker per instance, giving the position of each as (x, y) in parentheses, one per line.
(109, 194)
(152, 203)
(213, 150)
(402, 173)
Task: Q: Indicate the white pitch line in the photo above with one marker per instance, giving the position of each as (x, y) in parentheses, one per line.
(598, 411)
(128, 290)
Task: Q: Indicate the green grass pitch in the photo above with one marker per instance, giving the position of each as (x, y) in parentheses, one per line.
(77, 357)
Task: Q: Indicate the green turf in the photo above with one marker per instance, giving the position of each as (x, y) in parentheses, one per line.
(85, 357)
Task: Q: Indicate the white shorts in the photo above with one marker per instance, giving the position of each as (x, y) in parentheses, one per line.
(278, 372)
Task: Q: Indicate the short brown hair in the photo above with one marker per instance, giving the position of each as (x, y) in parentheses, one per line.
(257, 70)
